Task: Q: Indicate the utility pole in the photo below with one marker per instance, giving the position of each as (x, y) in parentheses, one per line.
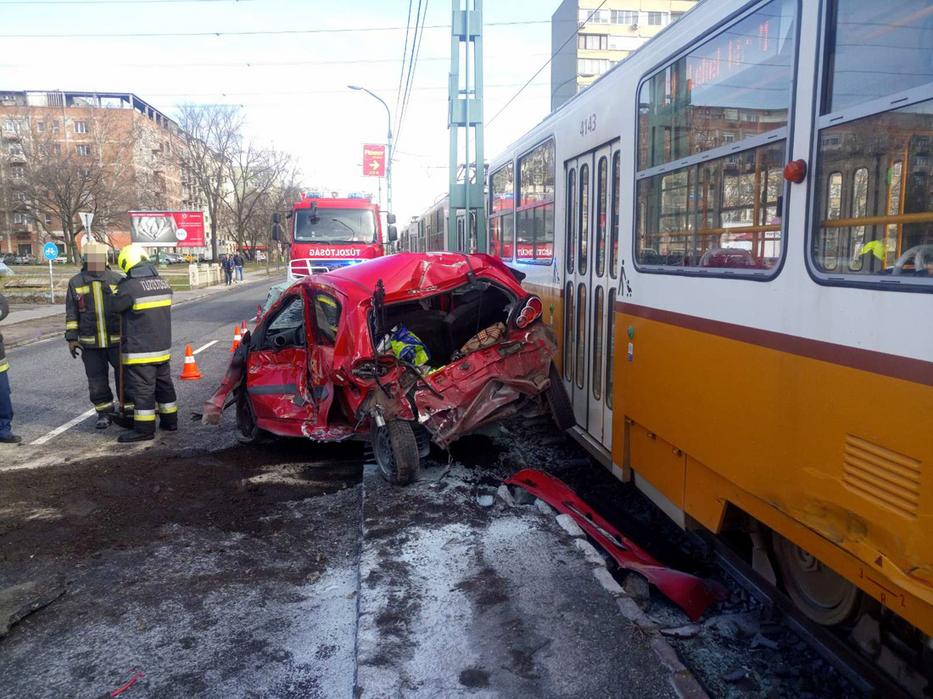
(465, 116)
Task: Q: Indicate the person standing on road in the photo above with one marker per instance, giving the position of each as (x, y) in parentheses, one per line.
(6, 403)
(238, 265)
(92, 328)
(145, 301)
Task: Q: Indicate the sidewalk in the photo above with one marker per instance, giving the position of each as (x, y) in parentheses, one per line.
(28, 323)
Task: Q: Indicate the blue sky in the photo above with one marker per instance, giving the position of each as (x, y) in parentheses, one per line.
(303, 107)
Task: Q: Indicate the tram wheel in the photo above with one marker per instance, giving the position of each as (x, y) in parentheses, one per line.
(820, 593)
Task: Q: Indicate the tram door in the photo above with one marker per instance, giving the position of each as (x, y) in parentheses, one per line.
(586, 268)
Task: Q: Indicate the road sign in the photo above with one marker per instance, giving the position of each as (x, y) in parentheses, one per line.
(86, 218)
(374, 160)
(50, 251)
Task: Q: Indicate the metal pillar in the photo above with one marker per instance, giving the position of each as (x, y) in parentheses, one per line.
(465, 116)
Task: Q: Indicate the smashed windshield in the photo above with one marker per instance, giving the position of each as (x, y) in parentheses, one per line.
(322, 225)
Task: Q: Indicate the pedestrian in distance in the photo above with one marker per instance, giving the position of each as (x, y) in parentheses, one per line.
(6, 402)
(227, 265)
(238, 266)
(144, 300)
(92, 328)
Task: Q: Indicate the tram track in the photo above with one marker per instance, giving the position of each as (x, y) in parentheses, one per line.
(865, 676)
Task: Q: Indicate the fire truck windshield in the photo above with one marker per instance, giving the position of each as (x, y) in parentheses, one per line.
(322, 225)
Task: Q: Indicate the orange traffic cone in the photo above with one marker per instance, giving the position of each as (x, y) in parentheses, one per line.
(190, 372)
(236, 338)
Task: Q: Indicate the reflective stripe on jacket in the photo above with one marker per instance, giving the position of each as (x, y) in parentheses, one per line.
(89, 316)
(145, 301)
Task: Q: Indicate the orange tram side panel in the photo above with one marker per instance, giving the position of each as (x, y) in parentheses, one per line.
(826, 455)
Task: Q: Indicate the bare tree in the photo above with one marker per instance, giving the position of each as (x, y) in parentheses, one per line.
(212, 136)
(64, 177)
(277, 199)
(253, 176)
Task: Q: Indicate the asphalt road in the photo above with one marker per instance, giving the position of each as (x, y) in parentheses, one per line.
(50, 388)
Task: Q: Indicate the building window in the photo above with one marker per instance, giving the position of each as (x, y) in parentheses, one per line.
(598, 16)
(501, 221)
(20, 218)
(40, 126)
(675, 16)
(19, 196)
(874, 207)
(48, 219)
(656, 19)
(535, 207)
(593, 42)
(80, 127)
(628, 17)
(55, 126)
(593, 66)
(83, 149)
(18, 172)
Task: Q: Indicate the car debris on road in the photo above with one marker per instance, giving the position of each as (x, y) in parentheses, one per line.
(401, 351)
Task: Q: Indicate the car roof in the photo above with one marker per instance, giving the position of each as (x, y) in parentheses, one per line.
(410, 275)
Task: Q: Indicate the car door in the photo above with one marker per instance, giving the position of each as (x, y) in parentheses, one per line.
(277, 370)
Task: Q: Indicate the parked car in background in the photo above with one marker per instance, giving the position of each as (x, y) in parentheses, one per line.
(400, 351)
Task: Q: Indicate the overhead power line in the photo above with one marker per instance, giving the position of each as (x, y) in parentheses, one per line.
(398, 91)
(546, 63)
(256, 32)
(412, 68)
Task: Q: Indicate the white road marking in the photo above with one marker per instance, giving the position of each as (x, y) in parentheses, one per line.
(67, 426)
(84, 416)
(209, 344)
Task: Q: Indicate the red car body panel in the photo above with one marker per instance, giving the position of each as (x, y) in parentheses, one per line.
(292, 390)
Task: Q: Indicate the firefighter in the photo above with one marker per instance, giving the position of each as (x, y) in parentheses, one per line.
(92, 328)
(6, 405)
(145, 301)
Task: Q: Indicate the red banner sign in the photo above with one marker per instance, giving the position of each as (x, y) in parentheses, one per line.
(168, 229)
(374, 160)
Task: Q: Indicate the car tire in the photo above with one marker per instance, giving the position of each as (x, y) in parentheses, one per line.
(248, 432)
(559, 402)
(396, 450)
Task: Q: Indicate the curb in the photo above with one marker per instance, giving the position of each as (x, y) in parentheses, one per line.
(58, 333)
(683, 681)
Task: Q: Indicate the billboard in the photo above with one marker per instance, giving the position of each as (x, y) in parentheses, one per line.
(374, 160)
(168, 229)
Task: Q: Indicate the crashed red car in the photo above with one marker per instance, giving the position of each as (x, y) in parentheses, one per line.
(401, 350)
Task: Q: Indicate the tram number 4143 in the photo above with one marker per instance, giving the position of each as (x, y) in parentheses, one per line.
(588, 125)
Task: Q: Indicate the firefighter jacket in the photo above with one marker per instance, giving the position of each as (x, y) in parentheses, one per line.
(145, 301)
(89, 315)
(4, 311)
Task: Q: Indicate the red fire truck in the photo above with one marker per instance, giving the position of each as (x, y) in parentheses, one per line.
(328, 233)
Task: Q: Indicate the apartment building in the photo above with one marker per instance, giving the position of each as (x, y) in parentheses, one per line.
(610, 34)
(130, 145)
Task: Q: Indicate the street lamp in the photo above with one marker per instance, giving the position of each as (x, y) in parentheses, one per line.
(388, 145)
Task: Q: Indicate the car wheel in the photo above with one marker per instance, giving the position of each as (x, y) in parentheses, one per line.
(559, 402)
(396, 451)
(248, 431)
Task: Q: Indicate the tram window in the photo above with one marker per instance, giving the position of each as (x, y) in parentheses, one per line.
(833, 208)
(717, 214)
(568, 332)
(501, 226)
(602, 199)
(571, 218)
(580, 339)
(737, 82)
(611, 337)
(535, 209)
(584, 218)
(875, 49)
(598, 343)
(885, 228)
(859, 210)
(614, 222)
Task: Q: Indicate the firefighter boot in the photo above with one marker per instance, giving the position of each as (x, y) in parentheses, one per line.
(103, 421)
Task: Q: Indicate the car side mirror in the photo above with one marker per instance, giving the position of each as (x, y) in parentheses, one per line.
(392, 233)
(390, 218)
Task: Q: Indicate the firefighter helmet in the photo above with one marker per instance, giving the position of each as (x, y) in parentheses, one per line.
(91, 247)
(130, 256)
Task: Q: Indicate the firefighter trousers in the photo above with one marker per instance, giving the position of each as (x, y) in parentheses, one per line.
(153, 392)
(97, 363)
